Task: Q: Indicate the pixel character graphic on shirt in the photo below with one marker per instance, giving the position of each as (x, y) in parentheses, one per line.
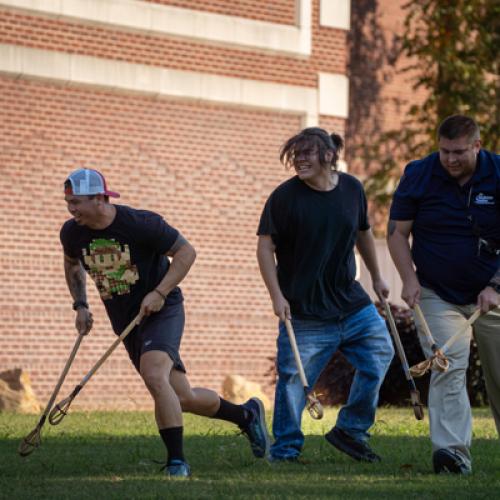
(110, 267)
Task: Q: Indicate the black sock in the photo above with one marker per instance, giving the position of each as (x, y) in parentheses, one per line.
(233, 413)
(172, 437)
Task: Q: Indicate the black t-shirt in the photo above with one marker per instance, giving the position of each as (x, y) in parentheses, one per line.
(314, 233)
(126, 260)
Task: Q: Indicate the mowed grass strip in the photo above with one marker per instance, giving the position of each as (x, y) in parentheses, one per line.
(110, 455)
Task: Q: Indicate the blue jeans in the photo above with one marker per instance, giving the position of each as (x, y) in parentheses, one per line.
(364, 340)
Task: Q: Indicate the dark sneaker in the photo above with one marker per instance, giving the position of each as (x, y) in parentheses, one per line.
(256, 430)
(177, 468)
(447, 461)
(359, 450)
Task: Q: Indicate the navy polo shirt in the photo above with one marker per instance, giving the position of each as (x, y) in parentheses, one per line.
(448, 220)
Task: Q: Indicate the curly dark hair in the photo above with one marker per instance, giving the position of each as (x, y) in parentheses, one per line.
(308, 138)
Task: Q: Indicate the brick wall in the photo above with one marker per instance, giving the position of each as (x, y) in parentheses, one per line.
(207, 168)
(380, 92)
(277, 11)
(157, 50)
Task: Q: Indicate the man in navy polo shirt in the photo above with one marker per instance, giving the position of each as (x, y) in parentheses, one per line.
(450, 203)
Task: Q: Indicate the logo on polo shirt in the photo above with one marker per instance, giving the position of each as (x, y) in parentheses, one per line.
(484, 199)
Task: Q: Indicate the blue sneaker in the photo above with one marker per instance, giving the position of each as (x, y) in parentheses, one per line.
(256, 431)
(177, 468)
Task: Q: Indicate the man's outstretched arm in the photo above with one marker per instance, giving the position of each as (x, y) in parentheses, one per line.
(183, 256)
(366, 248)
(398, 234)
(76, 281)
(267, 265)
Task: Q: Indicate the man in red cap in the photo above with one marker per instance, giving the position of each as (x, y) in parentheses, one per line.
(126, 252)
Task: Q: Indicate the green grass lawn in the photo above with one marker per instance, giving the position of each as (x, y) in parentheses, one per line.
(109, 455)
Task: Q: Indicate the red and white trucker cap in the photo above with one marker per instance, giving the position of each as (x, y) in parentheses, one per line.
(86, 181)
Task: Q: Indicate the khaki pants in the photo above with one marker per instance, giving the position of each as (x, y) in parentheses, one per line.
(449, 408)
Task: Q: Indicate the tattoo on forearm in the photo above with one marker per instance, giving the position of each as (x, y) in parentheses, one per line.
(76, 284)
(75, 278)
(391, 227)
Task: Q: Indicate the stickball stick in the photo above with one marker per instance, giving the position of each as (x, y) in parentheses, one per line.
(60, 410)
(423, 367)
(458, 334)
(33, 439)
(313, 405)
(418, 407)
(440, 361)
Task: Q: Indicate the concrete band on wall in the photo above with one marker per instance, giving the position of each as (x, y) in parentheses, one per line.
(329, 99)
(194, 24)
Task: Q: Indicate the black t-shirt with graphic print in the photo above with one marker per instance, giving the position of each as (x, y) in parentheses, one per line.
(126, 260)
(314, 233)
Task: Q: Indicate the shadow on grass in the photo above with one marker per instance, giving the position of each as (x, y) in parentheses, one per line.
(122, 467)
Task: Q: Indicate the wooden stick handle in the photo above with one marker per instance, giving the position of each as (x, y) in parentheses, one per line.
(425, 327)
(106, 355)
(63, 375)
(457, 335)
(397, 341)
(295, 349)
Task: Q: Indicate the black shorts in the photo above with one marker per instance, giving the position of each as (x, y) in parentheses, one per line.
(162, 331)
